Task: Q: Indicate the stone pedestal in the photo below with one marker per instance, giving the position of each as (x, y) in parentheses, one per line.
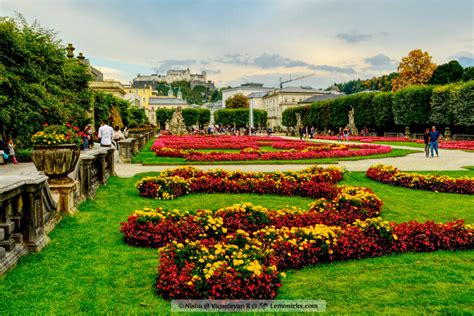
(125, 150)
(64, 194)
(407, 132)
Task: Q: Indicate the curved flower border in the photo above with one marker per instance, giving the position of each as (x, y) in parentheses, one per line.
(240, 252)
(187, 146)
(436, 183)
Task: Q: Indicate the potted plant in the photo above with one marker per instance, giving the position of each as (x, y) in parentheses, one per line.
(56, 151)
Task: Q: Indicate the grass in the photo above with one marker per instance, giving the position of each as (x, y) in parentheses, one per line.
(87, 267)
(148, 157)
(405, 144)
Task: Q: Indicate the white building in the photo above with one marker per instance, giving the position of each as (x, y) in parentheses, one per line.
(245, 89)
(279, 100)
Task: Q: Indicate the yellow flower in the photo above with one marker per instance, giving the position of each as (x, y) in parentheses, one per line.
(283, 274)
(190, 283)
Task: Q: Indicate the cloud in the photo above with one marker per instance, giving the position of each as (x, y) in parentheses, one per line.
(236, 58)
(271, 61)
(354, 37)
(266, 61)
(381, 62)
(174, 64)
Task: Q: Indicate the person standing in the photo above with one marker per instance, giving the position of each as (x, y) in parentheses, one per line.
(434, 136)
(340, 134)
(106, 134)
(86, 136)
(346, 134)
(426, 138)
(11, 151)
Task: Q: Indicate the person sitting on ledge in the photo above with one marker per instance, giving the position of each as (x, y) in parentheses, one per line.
(106, 133)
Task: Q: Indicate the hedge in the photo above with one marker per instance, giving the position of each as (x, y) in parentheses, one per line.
(240, 117)
(414, 106)
(191, 116)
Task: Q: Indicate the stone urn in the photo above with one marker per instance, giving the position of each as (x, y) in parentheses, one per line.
(56, 161)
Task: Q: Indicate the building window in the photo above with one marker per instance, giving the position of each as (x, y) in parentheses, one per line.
(293, 100)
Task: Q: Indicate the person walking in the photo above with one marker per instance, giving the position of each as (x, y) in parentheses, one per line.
(340, 134)
(426, 138)
(11, 151)
(434, 136)
(106, 134)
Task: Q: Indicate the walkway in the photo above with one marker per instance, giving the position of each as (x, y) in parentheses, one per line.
(449, 160)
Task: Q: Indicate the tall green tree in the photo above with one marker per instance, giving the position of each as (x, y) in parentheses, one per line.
(447, 73)
(38, 84)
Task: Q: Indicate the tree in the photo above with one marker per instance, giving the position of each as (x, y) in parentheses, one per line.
(237, 101)
(415, 69)
(468, 74)
(447, 73)
(38, 84)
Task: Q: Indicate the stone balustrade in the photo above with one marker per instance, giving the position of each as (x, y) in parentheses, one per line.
(129, 147)
(27, 213)
(30, 207)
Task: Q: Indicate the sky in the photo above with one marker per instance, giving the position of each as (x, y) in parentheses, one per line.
(238, 41)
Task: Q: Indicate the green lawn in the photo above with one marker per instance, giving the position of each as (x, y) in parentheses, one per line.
(148, 157)
(406, 144)
(87, 267)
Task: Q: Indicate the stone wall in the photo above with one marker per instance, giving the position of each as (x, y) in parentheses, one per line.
(29, 208)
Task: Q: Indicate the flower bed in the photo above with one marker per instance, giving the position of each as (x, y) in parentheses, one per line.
(313, 182)
(250, 148)
(391, 175)
(240, 252)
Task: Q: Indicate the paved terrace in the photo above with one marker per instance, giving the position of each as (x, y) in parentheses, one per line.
(449, 160)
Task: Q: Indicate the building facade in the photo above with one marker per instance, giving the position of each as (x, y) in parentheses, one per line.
(245, 89)
(279, 100)
(172, 76)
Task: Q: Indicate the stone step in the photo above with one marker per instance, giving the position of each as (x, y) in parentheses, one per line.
(2, 234)
(8, 244)
(9, 227)
(18, 237)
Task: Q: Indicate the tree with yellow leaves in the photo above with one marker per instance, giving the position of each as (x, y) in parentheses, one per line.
(415, 69)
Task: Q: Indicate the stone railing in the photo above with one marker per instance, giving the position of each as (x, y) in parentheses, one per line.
(129, 147)
(27, 213)
(30, 207)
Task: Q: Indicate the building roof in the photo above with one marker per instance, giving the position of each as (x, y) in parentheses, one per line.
(322, 97)
(257, 94)
(172, 101)
(301, 89)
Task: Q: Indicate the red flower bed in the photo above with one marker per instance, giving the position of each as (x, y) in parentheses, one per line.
(239, 252)
(391, 175)
(250, 148)
(312, 182)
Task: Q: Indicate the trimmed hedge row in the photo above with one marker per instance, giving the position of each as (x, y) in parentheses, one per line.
(414, 106)
(190, 116)
(240, 117)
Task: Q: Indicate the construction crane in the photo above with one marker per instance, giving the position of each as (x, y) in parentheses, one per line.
(298, 78)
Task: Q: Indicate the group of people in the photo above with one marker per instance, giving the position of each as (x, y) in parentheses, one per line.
(344, 134)
(106, 135)
(306, 132)
(7, 151)
(430, 138)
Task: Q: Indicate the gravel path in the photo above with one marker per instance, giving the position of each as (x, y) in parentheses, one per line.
(449, 160)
